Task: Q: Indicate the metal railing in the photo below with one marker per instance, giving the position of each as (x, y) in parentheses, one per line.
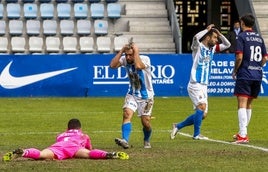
(174, 25)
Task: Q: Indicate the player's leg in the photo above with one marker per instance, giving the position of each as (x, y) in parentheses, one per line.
(242, 115)
(144, 112)
(242, 119)
(92, 154)
(198, 95)
(46, 154)
(37, 154)
(147, 130)
(177, 126)
(255, 90)
(126, 123)
(126, 129)
(188, 121)
(129, 108)
(243, 91)
(248, 91)
(32, 153)
(249, 110)
(100, 154)
(198, 117)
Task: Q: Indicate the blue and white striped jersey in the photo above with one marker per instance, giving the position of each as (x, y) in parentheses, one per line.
(140, 81)
(202, 57)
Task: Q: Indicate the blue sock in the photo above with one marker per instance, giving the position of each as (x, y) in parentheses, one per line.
(126, 130)
(188, 121)
(147, 134)
(197, 121)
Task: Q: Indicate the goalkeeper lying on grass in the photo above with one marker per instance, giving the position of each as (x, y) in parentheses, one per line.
(72, 143)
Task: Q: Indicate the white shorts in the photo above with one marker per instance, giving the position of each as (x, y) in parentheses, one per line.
(198, 94)
(142, 106)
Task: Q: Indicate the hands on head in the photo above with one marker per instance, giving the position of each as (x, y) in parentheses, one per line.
(212, 27)
(129, 46)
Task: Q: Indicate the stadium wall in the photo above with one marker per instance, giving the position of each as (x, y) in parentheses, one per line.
(90, 75)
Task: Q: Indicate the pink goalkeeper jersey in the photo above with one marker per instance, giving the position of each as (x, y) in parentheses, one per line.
(69, 142)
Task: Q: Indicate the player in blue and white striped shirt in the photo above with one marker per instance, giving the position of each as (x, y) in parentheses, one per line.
(204, 44)
(140, 93)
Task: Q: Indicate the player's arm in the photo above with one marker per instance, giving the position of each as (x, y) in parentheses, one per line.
(264, 59)
(138, 62)
(199, 35)
(225, 42)
(115, 62)
(264, 55)
(88, 143)
(238, 61)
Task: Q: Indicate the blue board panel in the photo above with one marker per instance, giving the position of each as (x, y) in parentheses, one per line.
(90, 75)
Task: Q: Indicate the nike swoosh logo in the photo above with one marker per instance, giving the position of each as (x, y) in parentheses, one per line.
(11, 82)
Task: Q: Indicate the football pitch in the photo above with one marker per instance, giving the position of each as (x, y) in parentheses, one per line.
(34, 122)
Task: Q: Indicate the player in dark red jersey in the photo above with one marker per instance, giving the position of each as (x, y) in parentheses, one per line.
(251, 55)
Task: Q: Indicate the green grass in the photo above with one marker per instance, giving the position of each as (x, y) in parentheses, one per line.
(34, 122)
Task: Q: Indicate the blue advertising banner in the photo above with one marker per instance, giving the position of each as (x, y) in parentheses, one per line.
(43, 75)
(170, 75)
(90, 75)
(221, 82)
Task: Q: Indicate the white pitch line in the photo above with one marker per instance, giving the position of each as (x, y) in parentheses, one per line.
(230, 143)
(188, 135)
